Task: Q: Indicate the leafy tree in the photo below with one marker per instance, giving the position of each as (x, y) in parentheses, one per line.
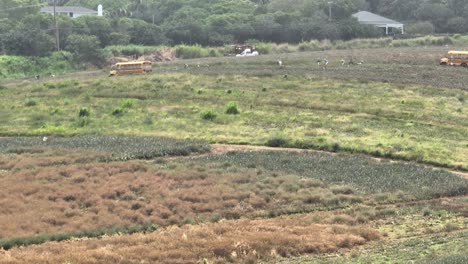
(85, 48)
(187, 25)
(30, 37)
(18, 9)
(28, 42)
(5, 26)
(223, 29)
(329, 31)
(94, 25)
(460, 7)
(117, 38)
(287, 6)
(399, 9)
(438, 14)
(351, 28)
(457, 25)
(146, 34)
(304, 29)
(341, 9)
(66, 27)
(422, 28)
(265, 27)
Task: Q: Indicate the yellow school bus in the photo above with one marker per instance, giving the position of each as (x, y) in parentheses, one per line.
(455, 58)
(130, 67)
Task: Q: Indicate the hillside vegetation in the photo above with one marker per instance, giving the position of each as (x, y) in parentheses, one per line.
(59, 63)
(24, 31)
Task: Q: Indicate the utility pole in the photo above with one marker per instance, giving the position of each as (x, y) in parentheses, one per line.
(57, 34)
(329, 10)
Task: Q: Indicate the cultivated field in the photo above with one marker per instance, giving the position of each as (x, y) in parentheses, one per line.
(368, 162)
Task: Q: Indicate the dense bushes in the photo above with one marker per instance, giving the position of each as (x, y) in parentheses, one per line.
(132, 50)
(216, 23)
(19, 67)
(197, 51)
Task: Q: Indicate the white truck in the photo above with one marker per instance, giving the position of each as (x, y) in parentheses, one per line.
(247, 53)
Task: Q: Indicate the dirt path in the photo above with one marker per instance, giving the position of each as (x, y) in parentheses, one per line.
(224, 148)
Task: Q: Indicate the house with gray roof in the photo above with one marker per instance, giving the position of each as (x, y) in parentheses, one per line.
(369, 18)
(72, 11)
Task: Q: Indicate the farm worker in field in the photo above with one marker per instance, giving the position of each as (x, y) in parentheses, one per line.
(325, 64)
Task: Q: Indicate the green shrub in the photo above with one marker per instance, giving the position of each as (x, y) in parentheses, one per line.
(128, 103)
(277, 142)
(264, 48)
(191, 52)
(83, 112)
(208, 115)
(30, 102)
(231, 108)
(118, 111)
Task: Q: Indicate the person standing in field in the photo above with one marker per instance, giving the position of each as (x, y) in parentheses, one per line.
(325, 64)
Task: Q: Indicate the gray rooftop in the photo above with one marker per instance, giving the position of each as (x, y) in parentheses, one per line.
(68, 9)
(373, 19)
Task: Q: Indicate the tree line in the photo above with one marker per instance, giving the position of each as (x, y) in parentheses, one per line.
(25, 31)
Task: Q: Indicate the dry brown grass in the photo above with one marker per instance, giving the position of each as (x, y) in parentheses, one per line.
(237, 241)
(56, 192)
(45, 157)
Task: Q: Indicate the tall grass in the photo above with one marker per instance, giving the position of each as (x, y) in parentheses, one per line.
(197, 51)
(322, 45)
(182, 51)
(21, 67)
(130, 50)
(315, 45)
